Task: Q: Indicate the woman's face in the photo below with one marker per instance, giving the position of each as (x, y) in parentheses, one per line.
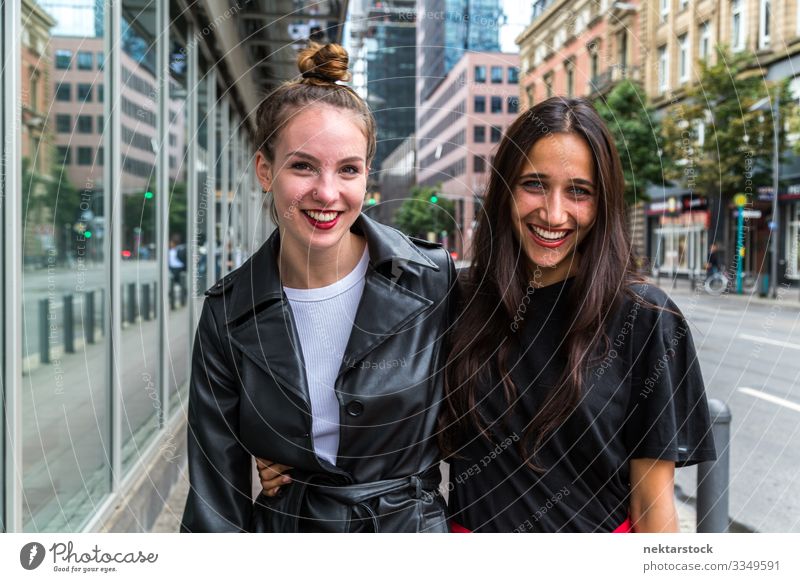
(318, 177)
(555, 204)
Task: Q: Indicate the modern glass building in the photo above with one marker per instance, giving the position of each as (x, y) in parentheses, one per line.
(127, 190)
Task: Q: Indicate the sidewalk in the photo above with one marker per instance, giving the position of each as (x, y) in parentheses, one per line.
(788, 297)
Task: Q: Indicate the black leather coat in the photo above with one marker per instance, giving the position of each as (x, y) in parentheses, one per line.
(249, 397)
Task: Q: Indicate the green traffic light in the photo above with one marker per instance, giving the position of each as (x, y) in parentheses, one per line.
(148, 195)
(87, 234)
(372, 201)
(434, 199)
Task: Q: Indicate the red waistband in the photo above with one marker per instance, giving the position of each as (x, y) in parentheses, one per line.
(625, 527)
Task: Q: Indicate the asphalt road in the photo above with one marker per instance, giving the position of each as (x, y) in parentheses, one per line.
(749, 353)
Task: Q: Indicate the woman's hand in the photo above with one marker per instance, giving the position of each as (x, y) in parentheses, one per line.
(652, 496)
(272, 476)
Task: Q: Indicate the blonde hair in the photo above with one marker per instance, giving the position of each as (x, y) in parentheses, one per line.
(321, 67)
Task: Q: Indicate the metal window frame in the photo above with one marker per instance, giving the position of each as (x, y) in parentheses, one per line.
(192, 190)
(225, 131)
(12, 258)
(210, 188)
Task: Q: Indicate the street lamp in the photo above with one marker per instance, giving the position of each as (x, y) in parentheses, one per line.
(763, 105)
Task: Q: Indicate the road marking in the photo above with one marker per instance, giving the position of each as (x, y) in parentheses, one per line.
(770, 398)
(772, 342)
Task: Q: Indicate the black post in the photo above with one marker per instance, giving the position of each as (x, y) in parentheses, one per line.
(44, 331)
(88, 316)
(69, 325)
(146, 301)
(713, 477)
(131, 302)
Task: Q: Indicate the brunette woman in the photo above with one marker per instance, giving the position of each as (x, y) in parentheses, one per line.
(573, 385)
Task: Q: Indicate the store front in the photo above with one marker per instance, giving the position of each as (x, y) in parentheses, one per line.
(678, 235)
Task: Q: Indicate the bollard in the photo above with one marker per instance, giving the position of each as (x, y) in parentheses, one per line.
(146, 301)
(88, 316)
(69, 325)
(713, 477)
(131, 302)
(44, 331)
(692, 281)
(172, 297)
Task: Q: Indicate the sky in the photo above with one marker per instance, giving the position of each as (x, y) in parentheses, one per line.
(518, 13)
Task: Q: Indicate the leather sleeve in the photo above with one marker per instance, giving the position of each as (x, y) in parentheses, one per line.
(219, 466)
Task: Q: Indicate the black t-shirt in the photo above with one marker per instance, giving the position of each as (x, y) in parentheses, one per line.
(645, 399)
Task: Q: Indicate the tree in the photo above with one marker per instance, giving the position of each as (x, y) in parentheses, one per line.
(426, 211)
(637, 134)
(720, 147)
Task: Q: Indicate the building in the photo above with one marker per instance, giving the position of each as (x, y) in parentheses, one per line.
(398, 175)
(460, 126)
(446, 29)
(579, 49)
(682, 223)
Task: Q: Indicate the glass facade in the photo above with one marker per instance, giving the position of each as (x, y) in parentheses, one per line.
(112, 119)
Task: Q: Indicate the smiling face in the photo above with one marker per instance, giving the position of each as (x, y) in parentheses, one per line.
(555, 204)
(318, 177)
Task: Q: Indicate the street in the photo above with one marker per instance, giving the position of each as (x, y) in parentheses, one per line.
(750, 357)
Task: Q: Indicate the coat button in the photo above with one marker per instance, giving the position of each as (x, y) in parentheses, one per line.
(355, 408)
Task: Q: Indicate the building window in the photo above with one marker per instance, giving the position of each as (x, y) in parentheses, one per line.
(683, 5)
(570, 81)
(85, 61)
(63, 156)
(663, 69)
(63, 92)
(595, 67)
(737, 25)
(100, 94)
(100, 160)
(84, 156)
(705, 40)
(512, 104)
(764, 15)
(84, 124)
(479, 134)
(664, 10)
(84, 92)
(496, 134)
(548, 85)
(480, 104)
(530, 91)
(513, 75)
(34, 89)
(497, 75)
(100, 60)
(63, 59)
(683, 58)
(100, 123)
(480, 74)
(63, 123)
(478, 164)
(497, 104)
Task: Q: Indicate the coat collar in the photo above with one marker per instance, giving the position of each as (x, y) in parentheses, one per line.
(258, 280)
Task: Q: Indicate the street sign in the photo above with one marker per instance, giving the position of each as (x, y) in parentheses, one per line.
(740, 200)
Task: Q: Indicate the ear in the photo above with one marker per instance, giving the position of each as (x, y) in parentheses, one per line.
(263, 171)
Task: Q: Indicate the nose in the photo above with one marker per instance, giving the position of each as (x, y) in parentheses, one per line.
(554, 208)
(327, 191)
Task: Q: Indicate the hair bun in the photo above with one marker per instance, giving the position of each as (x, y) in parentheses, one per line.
(321, 65)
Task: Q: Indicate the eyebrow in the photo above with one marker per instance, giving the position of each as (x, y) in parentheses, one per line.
(545, 177)
(306, 156)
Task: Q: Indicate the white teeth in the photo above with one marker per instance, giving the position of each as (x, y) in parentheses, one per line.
(548, 235)
(321, 216)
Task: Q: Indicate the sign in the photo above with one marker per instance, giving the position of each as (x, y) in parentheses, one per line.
(740, 200)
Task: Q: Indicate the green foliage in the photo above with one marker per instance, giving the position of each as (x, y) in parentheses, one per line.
(418, 215)
(636, 131)
(738, 143)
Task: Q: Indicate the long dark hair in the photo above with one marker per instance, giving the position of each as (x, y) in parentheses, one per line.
(494, 286)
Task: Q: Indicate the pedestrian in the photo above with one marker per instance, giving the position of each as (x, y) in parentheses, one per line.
(713, 265)
(573, 385)
(321, 352)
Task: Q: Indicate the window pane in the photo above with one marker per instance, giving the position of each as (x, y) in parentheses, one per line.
(497, 74)
(141, 392)
(513, 75)
(496, 134)
(480, 104)
(85, 61)
(513, 104)
(178, 345)
(480, 74)
(84, 124)
(480, 133)
(497, 104)
(65, 393)
(84, 92)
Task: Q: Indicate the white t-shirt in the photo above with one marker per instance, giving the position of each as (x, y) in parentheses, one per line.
(324, 318)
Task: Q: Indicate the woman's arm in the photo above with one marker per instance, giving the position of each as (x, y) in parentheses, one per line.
(219, 466)
(652, 496)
